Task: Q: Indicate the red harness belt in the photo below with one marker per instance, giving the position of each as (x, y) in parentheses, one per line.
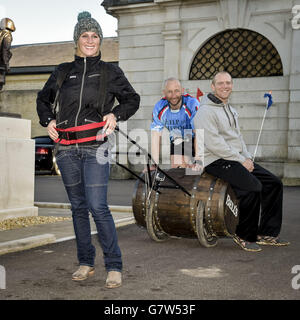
(84, 127)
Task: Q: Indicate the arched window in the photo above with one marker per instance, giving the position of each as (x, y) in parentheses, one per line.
(243, 53)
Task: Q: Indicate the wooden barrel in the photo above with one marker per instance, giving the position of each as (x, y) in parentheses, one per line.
(210, 210)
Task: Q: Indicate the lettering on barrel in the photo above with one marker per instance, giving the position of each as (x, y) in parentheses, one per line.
(233, 207)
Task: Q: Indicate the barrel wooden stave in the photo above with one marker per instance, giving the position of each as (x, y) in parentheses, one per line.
(175, 211)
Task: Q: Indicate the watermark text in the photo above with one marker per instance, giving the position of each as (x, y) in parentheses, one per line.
(2, 278)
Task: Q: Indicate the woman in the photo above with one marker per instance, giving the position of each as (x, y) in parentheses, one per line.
(84, 171)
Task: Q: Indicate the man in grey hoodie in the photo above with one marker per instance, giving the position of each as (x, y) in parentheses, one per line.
(226, 157)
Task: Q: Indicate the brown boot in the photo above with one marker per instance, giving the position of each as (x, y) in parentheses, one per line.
(83, 273)
(114, 279)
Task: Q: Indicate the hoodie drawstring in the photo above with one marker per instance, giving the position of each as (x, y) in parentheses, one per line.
(224, 108)
(232, 116)
(227, 115)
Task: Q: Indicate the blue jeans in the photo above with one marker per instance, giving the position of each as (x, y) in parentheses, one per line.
(86, 180)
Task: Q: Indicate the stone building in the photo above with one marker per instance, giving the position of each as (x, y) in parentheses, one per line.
(258, 42)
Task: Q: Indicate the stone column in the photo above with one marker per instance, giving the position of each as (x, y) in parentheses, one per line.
(292, 167)
(172, 39)
(16, 169)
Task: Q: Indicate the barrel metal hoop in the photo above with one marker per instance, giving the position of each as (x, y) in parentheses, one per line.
(208, 206)
(194, 203)
(155, 215)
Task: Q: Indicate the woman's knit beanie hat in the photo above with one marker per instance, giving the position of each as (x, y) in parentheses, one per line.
(86, 24)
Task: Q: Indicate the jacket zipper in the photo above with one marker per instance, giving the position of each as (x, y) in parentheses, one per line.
(94, 75)
(87, 120)
(66, 121)
(80, 97)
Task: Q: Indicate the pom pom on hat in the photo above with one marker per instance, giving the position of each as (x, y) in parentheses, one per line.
(86, 24)
(83, 15)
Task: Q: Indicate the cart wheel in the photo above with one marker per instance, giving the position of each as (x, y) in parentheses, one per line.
(152, 226)
(205, 238)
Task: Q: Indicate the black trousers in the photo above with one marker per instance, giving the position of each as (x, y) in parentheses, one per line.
(260, 195)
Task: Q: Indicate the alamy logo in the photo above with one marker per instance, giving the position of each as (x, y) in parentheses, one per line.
(296, 278)
(296, 17)
(2, 278)
(233, 208)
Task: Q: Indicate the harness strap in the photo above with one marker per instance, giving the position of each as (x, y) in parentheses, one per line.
(87, 139)
(84, 127)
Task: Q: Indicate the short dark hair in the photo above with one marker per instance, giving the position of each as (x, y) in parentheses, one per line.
(217, 73)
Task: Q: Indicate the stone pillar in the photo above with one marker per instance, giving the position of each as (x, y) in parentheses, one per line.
(17, 158)
(292, 166)
(172, 39)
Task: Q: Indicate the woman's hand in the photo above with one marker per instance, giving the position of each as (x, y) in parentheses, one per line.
(53, 134)
(111, 123)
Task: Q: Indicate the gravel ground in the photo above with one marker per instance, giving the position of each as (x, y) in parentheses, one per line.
(23, 222)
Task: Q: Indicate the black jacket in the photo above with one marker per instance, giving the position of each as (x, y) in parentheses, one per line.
(79, 95)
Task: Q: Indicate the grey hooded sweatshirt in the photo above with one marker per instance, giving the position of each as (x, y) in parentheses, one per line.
(222, 136)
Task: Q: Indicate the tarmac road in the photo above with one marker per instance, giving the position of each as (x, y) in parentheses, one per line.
(51, 189)
(178, 269)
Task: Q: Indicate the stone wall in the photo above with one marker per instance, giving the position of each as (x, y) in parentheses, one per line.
(19, 97)
(16, 169)
(160, 39)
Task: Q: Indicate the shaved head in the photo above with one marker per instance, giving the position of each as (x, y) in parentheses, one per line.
(171, 79)
(173, 91)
